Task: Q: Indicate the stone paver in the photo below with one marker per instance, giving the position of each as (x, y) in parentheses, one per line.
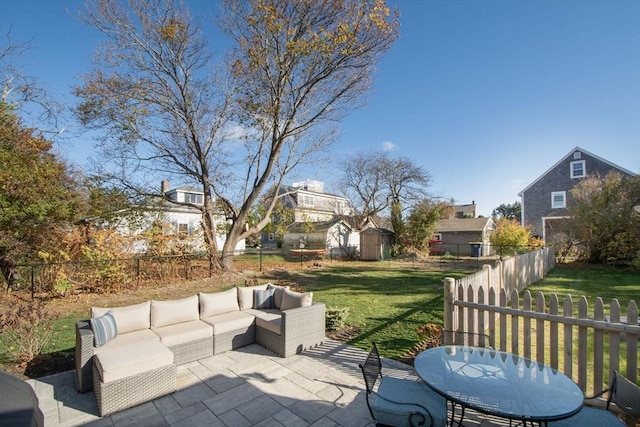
(246, 387)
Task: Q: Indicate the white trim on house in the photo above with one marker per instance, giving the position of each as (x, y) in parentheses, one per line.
(559, 203)
(544, 224)
(578, 169)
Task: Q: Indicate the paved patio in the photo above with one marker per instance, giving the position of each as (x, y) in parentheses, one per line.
(246, 387)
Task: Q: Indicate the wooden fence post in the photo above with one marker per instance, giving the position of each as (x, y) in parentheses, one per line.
(449, 289)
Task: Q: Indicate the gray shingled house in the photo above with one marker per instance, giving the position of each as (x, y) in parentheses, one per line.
(545, 200)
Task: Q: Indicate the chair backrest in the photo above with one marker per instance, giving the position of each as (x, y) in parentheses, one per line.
(371, 368)
(466, 338)
(626, 395)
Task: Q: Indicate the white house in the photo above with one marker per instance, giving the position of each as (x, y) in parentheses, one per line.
(176, 218)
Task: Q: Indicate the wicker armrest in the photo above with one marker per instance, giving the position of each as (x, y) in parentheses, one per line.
(303, 327)
(84, 356)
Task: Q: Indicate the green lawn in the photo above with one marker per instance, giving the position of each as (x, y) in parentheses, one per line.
(388, 301)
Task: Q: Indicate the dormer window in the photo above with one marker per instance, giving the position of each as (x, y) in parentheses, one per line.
(578, 169)
(194, 198)
(307, 200)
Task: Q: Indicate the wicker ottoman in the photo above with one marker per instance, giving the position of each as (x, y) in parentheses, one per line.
(132, 374)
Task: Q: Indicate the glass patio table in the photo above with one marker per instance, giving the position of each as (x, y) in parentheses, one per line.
(499, 383)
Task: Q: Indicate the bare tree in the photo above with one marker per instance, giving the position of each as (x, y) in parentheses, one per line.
(296, 68)
(24, 93)
(378, 181)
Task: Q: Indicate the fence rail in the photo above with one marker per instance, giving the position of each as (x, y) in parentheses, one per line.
(586, 346)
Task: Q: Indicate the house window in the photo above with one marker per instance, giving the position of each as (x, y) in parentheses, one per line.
(307, 200)
(194, 198)
(578, 169)
(339, 206)
(558, 199)
(183, 229)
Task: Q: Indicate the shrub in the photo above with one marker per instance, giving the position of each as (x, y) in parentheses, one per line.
(26, 328)
(336, 318)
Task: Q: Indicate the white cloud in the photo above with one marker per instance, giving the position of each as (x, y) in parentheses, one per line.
(388, 146)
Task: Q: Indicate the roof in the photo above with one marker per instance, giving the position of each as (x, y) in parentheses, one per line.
(314, 227)
(463, 224)
(570, 153)
(186, 189)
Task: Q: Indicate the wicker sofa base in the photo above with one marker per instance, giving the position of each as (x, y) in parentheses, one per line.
(191, 351)
(302, 328)
(234, 339)
(124, 393)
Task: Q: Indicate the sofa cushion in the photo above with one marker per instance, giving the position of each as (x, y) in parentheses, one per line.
(228, 322)
(129, 338)
(218, 303)
(295, 299)
(181, 333)
(165, 313)
(128, 319)
(104, 328)
(245, 295)
(132, 359)
(270, 320)
(263, 299)
(277, 296)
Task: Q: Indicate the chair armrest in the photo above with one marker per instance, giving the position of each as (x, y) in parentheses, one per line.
(297, 321)
(84, 356)
(302, 328)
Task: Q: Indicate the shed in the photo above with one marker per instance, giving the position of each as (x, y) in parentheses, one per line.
(460, 236)
(336, 237)
(375, 244)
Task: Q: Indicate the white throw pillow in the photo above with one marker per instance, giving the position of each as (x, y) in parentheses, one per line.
(295, 299)
(245, 295)
(165, 313)
(218, 303)
(128, 319)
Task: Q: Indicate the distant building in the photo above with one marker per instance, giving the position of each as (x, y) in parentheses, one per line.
(464, 211)
(461, 236)
(175, 218)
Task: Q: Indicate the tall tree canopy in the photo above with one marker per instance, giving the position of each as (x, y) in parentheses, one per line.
(508, 211)
(169, 111)
(38, 198)
(605, 218)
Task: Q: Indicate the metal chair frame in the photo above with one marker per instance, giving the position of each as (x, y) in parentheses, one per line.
(372, 373)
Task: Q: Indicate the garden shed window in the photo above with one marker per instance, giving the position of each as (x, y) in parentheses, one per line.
(578, 169)
(558, 199)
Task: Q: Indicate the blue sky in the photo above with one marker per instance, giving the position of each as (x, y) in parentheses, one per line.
(486, 95)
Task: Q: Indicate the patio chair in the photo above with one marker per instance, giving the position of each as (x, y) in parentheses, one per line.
(400, 402)
(622, 392)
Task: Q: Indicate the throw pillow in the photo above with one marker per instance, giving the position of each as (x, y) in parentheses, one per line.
(130, 318)
(104, 329)
(295, 299)
(245, 295)
(263, 300)
(277, 296)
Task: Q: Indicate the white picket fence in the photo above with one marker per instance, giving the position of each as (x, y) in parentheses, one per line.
(585, 345)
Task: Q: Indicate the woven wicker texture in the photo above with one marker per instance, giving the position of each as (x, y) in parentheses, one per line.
(84, 356)
(234, 339)
(302, 328)
(194, 350)
(124, 393)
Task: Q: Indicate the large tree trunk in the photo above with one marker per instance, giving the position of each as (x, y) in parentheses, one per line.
(209, 231)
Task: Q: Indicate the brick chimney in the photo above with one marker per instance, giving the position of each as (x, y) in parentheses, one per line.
(164, 186)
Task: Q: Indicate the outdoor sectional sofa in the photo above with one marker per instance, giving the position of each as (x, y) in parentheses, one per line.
(128, 355)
